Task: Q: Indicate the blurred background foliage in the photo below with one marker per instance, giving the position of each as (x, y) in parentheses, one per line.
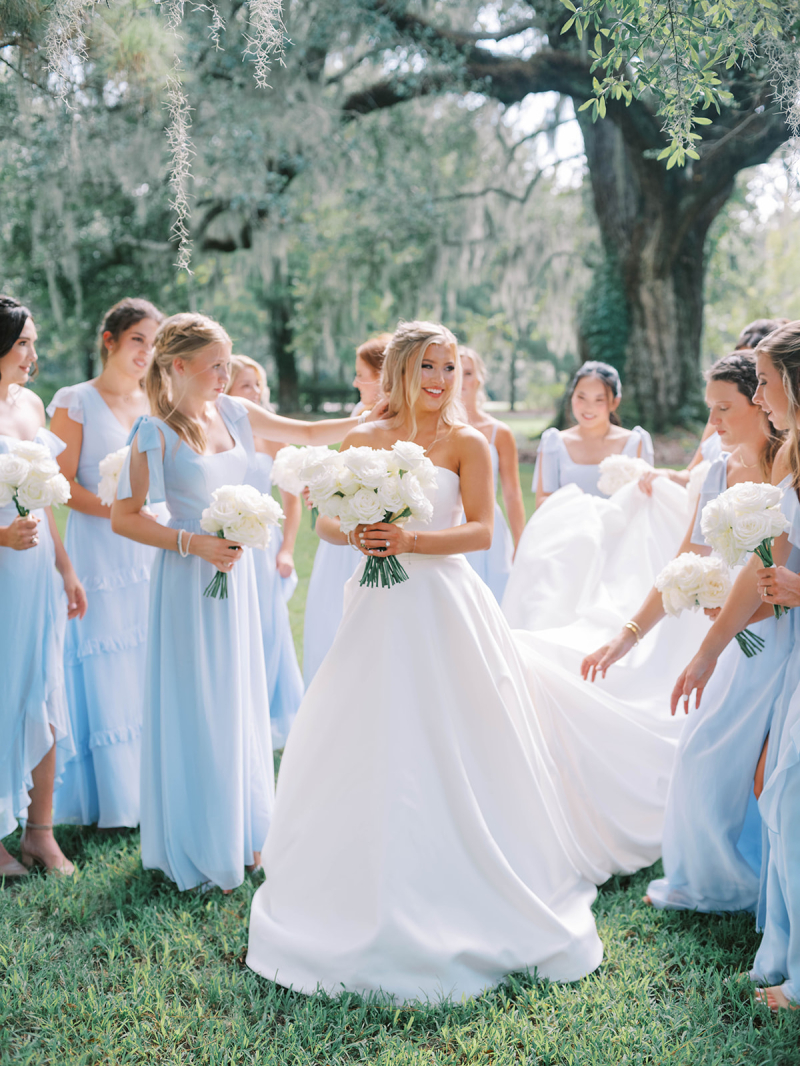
(311, 232)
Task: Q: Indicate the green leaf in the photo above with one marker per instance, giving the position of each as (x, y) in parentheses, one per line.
(700, 120)
(567, 25)
(568, 4)
(692, 154)
(589, 103)
(664, 153)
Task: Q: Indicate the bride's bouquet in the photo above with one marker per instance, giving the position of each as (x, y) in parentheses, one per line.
(745, 518)
(30, 478)
(293, 467)
(362, 486)
(110, 469)
(242, 514)
(616, 471)
(691, 581)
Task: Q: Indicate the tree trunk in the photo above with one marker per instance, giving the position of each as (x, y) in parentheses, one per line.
(279, 304)
(654, 224)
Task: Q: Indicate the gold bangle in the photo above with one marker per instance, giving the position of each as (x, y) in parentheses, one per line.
(635, 629)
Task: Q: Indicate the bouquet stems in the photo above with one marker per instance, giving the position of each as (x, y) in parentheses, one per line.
(750, 643)
(764, 552)
(385, 570)
(218, 585)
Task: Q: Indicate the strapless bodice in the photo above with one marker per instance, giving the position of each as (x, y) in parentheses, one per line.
(446, 498)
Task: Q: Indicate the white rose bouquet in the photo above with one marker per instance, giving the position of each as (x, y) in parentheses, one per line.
(745, 518)
(243, 514)
(691, 581)
(110, 469)
(30, 478)
(616, 471)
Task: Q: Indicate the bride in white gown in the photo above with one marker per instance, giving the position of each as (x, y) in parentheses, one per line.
(419, 844)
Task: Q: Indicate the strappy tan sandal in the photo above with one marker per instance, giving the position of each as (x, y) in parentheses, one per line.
(64, 867)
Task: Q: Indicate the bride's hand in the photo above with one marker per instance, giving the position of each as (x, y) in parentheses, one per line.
(695, 677)
(600, 660)
(215, 550)
(383, 539)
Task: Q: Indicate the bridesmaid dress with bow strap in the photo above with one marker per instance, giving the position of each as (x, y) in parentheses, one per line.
(207, 772)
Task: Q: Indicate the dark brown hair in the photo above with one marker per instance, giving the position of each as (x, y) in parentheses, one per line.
(122, 316)
(739, 369)
(373, 351)
(13, 316)
(754, 332)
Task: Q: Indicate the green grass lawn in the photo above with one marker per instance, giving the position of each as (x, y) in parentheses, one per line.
(115, 966)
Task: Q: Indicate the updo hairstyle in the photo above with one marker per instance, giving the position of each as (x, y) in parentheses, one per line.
(739, 368)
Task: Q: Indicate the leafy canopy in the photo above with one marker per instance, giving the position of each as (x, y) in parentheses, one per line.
(675, 53)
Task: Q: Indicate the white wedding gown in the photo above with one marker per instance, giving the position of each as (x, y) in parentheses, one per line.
(420, 843)
(591, 564)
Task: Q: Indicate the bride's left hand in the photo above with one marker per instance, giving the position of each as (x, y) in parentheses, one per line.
(383, 539)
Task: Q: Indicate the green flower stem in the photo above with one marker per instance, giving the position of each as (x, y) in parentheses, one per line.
(217, 587)
(22, 511)
(764, 552)
(385, 570)
(750, 643)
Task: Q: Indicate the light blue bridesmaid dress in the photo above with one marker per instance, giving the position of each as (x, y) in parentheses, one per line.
(105, 651)
(207, 772)
(777, 961)
(712, 828)
(283, 673)
(494, 565)
(33, 701)
(552, 458)
(334, 565)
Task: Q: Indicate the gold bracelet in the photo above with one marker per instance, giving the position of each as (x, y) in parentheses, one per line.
(635, 629)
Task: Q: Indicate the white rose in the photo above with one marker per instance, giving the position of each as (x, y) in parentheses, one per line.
(390, 494)
(13, 469)
(60, 491)
(370, 465)
(750, 528)
(269, 511)
(716, 586)
(366, 506)
(616, 471)
(426, 476)
(107, 489)
(716, 519)
(413, 495)
(316, 460)
(6, 494)
(113, 463)
(35, 492)
(346, 481)
(324, 483)
(408, 456)
(31, 450)
(752, 496)
(348, 519)
(285, 470)
(249, 530)
(727, 546)
(676, 601)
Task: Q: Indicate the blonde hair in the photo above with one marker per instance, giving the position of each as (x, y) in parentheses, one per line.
(181, 336)
(401, 376)
(481, 373)
(783, 348)
(244, 362)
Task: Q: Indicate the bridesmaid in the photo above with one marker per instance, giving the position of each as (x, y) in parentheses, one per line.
(571, 550)
(105, 653)
(35, 735)
(573, 456)
(274, 567)
(494, 565)
(777, 963)
(207, 773)
(334, 564)
(712, 835)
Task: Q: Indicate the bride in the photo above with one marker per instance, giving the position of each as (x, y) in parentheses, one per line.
(419, 845)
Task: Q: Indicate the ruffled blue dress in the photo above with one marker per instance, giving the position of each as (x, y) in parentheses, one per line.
(33, 617)
(712, 828)
(494, 565)
(207, 771)
(777, 961)
(553, 459)
(105, 650)
(283, 672)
